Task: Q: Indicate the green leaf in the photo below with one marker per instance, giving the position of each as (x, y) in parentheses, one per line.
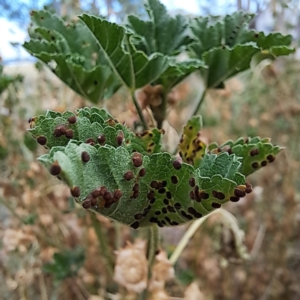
(178, 71)
(162, 33)
(126, 178)
(6, 80)
(94, 126)
(72, 53)
(65, 264)
(191, 147)
(132, 67)
(166, 194)
(227, 46)
(255, 152)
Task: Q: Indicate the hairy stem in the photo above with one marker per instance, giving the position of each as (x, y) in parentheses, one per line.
(201, 100)
(153, 244)
(103, 244)
(139, 110)
(160, 112)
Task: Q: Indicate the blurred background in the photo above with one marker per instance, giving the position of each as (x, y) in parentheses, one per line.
(38, 218)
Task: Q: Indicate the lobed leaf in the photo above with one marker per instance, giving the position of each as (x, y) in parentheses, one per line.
(159, 190)
(255, 152)
(161, 33)
(191, 147)
(72, 53)
(93, 126)
(227, 46)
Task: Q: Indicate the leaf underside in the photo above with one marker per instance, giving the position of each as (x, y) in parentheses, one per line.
(125, 177)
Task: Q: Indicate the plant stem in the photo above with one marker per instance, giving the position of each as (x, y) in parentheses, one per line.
(103, 244)
(227, 216)
(153, 244)
(139, 110)
(118, 238)
(199, 103)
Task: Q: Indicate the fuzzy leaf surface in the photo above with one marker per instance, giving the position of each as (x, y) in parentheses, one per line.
(77, 58)
(227, 45)
(92, 125)
(255, 152)
(163, 195)
(161, 33)
(132, 67)
(131, 181)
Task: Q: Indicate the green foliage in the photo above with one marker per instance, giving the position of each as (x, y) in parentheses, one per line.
(6, 80)
(227, 46)
(95, 57)
(65, 264)
(127, 178)
(161, 33)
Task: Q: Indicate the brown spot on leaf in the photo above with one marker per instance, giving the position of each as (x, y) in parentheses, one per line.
(234, 199)
(154, 184)
(142, 172)
(239, 193)
(174, 179)
(75, 191)
(138, 216)
(177, 164)
(41, 140)
(69, 134)
(101, 139)
(254, 152)
(55, 169)
(263, 163)
(72, 120)
(128, 175)
(192, 182)
(85, 157)
(86, 204)
(270, 158)
(215, 205)
(137, 159)
(255, 165)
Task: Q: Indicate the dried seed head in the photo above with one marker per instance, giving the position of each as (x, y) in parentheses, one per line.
(128, 175)
(137, 159)
(131, 269)
(162, 271)
(55, 169)
(85, 157)
(101, 139)
(69, 134)
(41, 140)
(75, 191)
(72, 120)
